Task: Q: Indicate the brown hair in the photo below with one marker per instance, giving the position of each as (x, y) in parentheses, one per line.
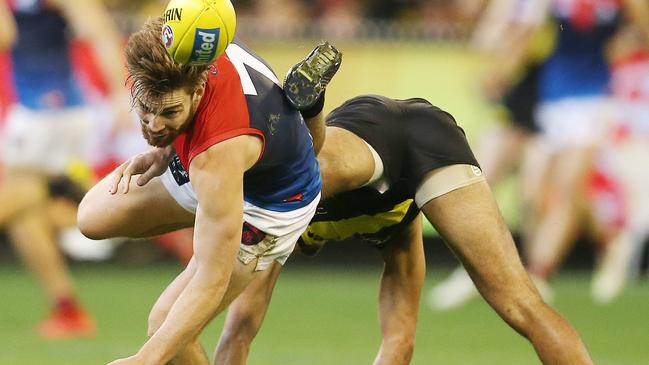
(152, 72)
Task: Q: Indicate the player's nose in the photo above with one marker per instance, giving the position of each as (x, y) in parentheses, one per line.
(156, 124)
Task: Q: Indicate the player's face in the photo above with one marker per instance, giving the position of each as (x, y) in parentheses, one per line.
(163, 120)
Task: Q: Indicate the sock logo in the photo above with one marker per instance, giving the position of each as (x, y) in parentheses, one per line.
(205, 45)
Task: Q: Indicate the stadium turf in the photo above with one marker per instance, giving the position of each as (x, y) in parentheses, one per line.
(318, 316)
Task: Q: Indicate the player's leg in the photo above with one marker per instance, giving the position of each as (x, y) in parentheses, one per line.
(470, 222)
(144, 211)
(20, 190)
(244, 318)
(401, 283)
(34, 239)
(193, 353)
(560, 224)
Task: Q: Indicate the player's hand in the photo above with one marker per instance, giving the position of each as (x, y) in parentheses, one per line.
(133, 360)
(148, 165)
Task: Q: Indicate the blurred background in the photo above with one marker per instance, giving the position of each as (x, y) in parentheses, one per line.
(554, 99)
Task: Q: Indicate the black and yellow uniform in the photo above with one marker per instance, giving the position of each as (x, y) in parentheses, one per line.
(364, 214)
(412, 137)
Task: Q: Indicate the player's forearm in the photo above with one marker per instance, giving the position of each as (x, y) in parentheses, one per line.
(92, 22)
(216, 243)
(191, 312)
(8, 29)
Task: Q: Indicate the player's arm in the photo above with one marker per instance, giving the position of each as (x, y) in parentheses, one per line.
(509, 49)
(8, 31)
(91, 21)
(217, 177)
(638, 13)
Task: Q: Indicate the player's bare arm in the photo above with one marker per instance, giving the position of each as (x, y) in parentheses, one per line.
(91, 21)
(217, 176)
(8, 31)
(638, 12)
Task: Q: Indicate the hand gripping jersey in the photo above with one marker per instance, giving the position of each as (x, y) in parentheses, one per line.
(243, 96)
(42, 72)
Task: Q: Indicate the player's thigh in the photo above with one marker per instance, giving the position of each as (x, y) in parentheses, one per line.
(471, 224)
(143, 211)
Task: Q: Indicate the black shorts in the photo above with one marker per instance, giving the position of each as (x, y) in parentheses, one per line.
(411, 136)
(522, 98)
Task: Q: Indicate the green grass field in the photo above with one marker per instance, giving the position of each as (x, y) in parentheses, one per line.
(318, 317)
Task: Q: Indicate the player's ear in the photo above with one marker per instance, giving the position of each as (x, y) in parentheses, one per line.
(199, 91)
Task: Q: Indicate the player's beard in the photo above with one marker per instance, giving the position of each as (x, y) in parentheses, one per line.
(169, 134)
(161, 139)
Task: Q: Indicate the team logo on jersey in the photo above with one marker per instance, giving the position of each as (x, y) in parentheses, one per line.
(205, 45)
(167, 36)
(178, 171)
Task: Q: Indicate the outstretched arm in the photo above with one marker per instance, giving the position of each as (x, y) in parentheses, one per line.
(401, 283)
(471, 224)
(217, 177)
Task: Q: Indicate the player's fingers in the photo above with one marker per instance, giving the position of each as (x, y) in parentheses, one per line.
(116, 177)
(147, 175)
(127, 181)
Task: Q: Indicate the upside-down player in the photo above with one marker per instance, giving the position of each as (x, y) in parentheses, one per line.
(383, 162)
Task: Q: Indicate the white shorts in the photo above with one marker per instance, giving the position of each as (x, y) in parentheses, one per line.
(571, 122)
(282, 229)
(46, 140)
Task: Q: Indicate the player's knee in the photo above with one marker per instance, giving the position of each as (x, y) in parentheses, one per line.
(89, 221)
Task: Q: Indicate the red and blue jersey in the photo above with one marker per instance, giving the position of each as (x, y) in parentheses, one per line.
(43, 76)
(577, 66)
(243, 96)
